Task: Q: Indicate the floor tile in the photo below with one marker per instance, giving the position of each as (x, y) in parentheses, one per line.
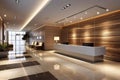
(32, 63)
(40, 76)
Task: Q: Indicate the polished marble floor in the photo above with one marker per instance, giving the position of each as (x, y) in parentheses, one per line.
(48, 65)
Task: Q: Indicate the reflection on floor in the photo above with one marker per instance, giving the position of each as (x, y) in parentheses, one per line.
(47, 65)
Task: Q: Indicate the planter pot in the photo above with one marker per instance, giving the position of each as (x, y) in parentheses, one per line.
(3, 54)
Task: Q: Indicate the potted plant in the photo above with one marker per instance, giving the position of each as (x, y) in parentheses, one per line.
(4, 48)
(26, 37)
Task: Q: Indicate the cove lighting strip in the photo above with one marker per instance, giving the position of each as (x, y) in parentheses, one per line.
(42, 5)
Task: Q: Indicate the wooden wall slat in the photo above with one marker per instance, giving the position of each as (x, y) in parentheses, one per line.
(103, 31)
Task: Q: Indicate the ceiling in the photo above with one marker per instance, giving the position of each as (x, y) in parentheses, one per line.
(53, 12)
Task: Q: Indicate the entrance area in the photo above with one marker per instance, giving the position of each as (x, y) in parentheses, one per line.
(15, 38)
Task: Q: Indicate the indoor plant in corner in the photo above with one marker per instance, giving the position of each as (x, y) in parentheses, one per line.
(3, 51)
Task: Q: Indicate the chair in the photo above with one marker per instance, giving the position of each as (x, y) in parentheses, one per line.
(40, 46)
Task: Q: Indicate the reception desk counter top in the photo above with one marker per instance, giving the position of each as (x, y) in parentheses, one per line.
(92, 54)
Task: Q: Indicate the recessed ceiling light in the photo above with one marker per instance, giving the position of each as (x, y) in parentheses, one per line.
(63, 8)
(5, 15)
(107, 9)
(98, 12)
(83, 12)
(66, 6)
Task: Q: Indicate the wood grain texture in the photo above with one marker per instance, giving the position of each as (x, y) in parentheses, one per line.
(48, 33)
(102, 31)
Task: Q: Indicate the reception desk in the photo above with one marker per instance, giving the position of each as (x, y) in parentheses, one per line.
(91, 54)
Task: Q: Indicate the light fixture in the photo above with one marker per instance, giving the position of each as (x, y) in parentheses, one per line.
(74, 35)
(107, 9)
(5, 15)
(66, 6)
(56, 38)
(81, 12)
(98, 12)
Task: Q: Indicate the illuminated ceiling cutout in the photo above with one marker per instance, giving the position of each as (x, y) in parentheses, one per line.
(42, 5)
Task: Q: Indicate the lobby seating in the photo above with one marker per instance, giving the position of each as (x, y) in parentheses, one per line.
(33, 44)
(37, 45)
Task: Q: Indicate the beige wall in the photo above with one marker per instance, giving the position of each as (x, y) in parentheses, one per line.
(50, 32)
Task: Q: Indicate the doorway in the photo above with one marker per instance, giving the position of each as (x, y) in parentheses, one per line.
(15, 38)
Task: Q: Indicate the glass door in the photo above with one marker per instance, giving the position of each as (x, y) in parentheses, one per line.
(15, 38)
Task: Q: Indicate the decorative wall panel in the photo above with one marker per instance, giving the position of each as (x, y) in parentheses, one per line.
(102, 31)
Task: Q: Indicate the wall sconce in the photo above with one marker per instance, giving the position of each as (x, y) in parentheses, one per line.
(56, 38)
(105, 33)
(74, 35)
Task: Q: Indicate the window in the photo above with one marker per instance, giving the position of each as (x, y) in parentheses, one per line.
(15, 38)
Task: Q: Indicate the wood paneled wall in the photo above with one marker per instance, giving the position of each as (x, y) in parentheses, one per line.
(50, 32)
(102, 31)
